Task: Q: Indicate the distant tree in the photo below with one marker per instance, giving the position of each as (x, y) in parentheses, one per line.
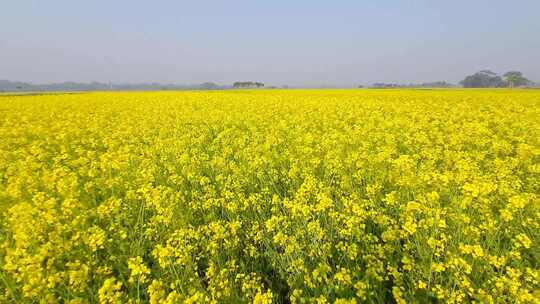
(382, 85)
(483, 79)
(247, 85)
(437, 84)
(209, 86)
(515, 79)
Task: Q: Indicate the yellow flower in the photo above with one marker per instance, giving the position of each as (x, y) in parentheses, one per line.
(96, 238)
(524, 240)
(110, 292)
(263, 298)
(438, 267)
(409, 226)
(139, 271)
(156, 292)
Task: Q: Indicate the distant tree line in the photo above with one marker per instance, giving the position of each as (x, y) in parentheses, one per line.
(435, 84)
(481, 79)
(14, 86)
(489, 79)
(247, 85)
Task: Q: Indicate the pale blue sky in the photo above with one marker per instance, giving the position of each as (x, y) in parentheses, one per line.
(277, 42)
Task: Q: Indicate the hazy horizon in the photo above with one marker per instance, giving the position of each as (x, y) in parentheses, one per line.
(305, 43)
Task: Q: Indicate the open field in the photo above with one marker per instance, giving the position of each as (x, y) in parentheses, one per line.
(338, 196)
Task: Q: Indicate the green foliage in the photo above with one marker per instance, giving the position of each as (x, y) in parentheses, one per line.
(515, 79)
(483, 79)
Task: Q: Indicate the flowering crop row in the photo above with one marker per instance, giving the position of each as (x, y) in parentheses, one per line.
(300, 196)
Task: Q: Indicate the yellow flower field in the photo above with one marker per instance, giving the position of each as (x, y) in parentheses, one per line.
(271, 196)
